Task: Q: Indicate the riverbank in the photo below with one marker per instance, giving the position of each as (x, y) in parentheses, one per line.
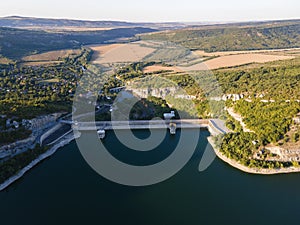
(66, 140)
(246, 169)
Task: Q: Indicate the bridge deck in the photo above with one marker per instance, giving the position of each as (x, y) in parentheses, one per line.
(215, 126)
(140, 124)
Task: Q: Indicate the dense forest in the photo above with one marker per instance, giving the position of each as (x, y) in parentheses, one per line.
(270, 121)
(271, 101)
(275, 80)
(239, 146)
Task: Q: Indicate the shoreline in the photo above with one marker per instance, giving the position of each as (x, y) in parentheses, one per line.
(66, 140)
(249, 170)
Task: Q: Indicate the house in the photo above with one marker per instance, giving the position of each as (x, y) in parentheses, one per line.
(297, 119)
(16, 124)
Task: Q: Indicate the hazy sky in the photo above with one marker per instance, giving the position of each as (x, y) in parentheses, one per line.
(154, 10)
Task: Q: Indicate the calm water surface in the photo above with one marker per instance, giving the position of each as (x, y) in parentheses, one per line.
(65, 190)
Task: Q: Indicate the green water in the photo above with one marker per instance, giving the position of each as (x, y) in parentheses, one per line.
(65, 190)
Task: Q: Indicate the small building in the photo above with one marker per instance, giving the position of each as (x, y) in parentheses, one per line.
(297, 119)
(16, 124)
(168, 116)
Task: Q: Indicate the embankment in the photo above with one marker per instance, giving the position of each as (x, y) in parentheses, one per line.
(66, 140)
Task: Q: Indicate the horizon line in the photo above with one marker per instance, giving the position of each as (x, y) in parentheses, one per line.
(128, 21)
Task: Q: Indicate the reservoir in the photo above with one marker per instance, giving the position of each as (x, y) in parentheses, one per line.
(63, 189)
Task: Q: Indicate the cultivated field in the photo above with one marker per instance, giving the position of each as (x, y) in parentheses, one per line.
(51, 56)
(157, 68)
(242, 59)
(118, 53)
(100, 50)
(185, 61)
(4, 60)
(268, 51)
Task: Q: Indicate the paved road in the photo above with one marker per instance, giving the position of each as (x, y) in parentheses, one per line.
(60, 132)
(220, 125)
(140, 124)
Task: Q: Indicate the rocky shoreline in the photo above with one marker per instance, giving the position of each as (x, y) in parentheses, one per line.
(246, 169)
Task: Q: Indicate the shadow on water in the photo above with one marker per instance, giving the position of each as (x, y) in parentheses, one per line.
(65, 190)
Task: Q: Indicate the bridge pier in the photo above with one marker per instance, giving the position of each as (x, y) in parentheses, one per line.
(172, 128)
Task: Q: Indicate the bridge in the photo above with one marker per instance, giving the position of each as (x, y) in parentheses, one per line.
(138, 124)
(215, 126)
(67, 119)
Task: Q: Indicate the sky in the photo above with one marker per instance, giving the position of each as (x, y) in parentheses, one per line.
(155, 10)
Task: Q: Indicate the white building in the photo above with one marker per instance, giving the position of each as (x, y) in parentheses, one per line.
(168, 116)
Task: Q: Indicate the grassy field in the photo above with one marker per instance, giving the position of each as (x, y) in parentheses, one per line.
(40, 63)
(49, 58)
(4, 60)
(157, 68)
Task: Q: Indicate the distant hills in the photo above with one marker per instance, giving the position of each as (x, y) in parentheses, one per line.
(20, 36)
(235, 37)
(17, 21)
(16, 43)
(42, 23)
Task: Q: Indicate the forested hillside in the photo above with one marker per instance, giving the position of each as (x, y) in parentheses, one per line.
(275, 80)
(231, 38)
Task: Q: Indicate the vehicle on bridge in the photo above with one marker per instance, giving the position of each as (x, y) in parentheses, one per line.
(101, 133)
